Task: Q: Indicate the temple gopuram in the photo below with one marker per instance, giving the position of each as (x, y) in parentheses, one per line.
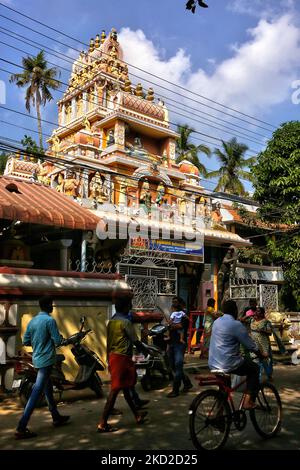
(114, 155)
(107, 209)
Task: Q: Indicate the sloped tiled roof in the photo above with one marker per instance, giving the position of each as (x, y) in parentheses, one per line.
(35, 203)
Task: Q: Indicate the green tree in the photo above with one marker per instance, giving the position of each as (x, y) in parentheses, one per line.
(186, 150)
(3, 160)
(38, 80)
(232, 163)
(277, 188)
(30, 145)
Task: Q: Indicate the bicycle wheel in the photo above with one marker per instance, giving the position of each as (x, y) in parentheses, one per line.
(266, 418)
(210, 420)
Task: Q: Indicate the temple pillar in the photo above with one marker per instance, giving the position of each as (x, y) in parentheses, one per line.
(95, 97)
(63, 114)
(64, 254)
(73, 112)
(120, 133)
(172, 149)
(85, 102)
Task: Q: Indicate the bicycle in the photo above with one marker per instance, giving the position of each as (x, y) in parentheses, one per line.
(212, 412)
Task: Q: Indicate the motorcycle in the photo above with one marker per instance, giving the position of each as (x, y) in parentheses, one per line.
(89, 363)
(156, 361)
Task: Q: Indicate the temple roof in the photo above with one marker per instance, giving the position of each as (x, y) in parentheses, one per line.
(39, 204)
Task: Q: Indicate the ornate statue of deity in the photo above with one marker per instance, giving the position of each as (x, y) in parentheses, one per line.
(226, 271)
(113, 53)
(103, 65)
(145, 196)
(137, 148)
(110, 138)
(87, 124)
(165, 159)
(160, 194)
(60, 183)
(98, 190)
(55, 141)
(96, 186)
(71, 186)
(42, 174)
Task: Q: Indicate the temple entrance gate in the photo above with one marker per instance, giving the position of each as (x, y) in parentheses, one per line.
(151, 274)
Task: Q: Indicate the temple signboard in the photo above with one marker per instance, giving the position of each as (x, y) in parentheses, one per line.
(179, 250)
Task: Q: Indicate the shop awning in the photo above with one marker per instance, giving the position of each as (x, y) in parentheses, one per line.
(38, 204)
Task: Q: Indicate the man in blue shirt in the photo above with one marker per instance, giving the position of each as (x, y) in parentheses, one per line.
(42, 334)
(224, 351)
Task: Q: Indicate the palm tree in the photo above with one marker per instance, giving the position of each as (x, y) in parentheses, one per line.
(39, 80)
(232, 161)
(185, 150)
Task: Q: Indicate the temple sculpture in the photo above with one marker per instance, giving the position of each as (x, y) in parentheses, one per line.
(145, 197)
(226, 271)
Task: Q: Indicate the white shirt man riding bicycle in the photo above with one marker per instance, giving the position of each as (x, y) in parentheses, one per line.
(224, 351)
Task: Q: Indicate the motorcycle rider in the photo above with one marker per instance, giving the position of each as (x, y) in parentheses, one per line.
(43, 336)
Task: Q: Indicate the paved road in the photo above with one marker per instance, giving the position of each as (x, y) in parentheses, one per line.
(167, 427)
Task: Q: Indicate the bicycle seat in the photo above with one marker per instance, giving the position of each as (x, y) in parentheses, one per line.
(220, 372)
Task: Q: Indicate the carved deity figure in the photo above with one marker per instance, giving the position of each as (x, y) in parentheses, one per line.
(71, 186)
(145, 196)
(87, 124)
(165, 159)
(42, 174)
(137, 148)
(98, 189)
(160, 194)
(60, 183)
(226, 271)
(110, 138)
(55, 141)
(96, 186)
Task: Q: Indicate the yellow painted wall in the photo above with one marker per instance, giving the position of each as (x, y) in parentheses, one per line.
(67, 318)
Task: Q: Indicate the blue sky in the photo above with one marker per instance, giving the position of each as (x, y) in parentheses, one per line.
(243, 53)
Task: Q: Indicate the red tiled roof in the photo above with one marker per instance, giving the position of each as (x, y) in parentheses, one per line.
(39, 204)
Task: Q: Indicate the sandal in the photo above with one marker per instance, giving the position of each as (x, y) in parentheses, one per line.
(140, 419)
(106, 428)
(26, 434)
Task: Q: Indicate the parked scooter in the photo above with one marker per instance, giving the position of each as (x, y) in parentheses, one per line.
(89, 363)
(155, 362)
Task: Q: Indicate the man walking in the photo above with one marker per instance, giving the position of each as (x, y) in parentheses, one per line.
(120, 340)
(42, 334)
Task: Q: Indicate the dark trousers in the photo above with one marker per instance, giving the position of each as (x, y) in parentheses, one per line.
(176, 356)
(251, 370)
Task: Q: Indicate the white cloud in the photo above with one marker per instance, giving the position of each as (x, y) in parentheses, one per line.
(262, 8)
(256, 77)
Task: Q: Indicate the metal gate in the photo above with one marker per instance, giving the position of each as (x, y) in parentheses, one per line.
(149, 277)
(268, 297)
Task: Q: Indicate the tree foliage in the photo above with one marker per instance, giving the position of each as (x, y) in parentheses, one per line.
(232, 163)
(277, 187)
(3, 160)
(38, 80)
(186, 150)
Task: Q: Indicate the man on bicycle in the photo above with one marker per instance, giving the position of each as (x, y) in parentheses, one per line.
(224, 352)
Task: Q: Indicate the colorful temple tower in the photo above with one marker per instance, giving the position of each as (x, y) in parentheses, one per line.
(114, 145)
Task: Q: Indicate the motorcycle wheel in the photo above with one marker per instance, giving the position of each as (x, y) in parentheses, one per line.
(146, 383)
(96, 385)
(25, 392)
